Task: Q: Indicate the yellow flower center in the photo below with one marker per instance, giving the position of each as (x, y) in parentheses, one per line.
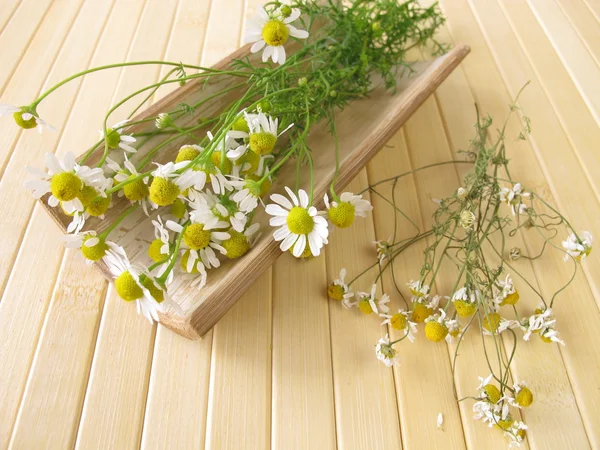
(154, 251)
(163, 191)
(187, 153)
(196, 237)
(365, 306)
(249, 158)
(25, 124)
(335, 291)
(113, 138)
(86, 195)
(98, 206)
(178, 209)
(491, 322)
(455, 332)
(237, 245)
(545, 339)
(505, 424)
(136, 190)
(262, 143)
(65, 186)
(184, 261)
(511, 299)
(492, 392)
(342, 215)
(127, 287)
(420, 313)
(435, 331)
(524, 397)
(95, 252)
(275, 33)
(240, 124)
(299, 221)
(398, 321)
(156, 292)
(215, 158)
(465, 309)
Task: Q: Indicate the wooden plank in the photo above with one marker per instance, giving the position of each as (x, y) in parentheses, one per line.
(583, 131)
(7, 13)
(178, 393)
(303, 405)
(594, 7)
(16, 210)
(365, 401)
(18, 25)
(22, 312)
(584, 23)
(551, 272)
(183, 389)
(39, 59)
(578, 61)
(241, 357)
(116, 420)
(423, 376)
(41, 251)
(239, 402)
(52, 401)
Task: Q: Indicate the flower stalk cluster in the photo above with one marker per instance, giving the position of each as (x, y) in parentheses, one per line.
(468, 237)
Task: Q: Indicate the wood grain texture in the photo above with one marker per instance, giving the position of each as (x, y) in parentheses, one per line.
(285, 367)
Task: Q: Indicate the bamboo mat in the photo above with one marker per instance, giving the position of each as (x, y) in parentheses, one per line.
(287, 369)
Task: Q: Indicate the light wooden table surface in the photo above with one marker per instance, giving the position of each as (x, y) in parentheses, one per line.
(286, 368)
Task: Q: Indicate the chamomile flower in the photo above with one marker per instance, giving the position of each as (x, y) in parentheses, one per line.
(25, 117)
(92, 246)
(385, 352)
(247, 196)
(423, 307)
(383, 249)
(115, 139)
(514, 197)
(160, 247)
(542, 322)
(240, 242)
(417, 288)
(262, 133)
(465, 302)
(338, 289)
(168, 184)
(578, 247)
(208, 207)
(135, 191)
(343, 213)
(508, 294)
(191, 264)
(435, 326)
(401, 321)
(272, 32)
(454, 330)
(134, 283)
(516, 433)
(299, 224)
(202, 239)
(369, 302)
(65, 181)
